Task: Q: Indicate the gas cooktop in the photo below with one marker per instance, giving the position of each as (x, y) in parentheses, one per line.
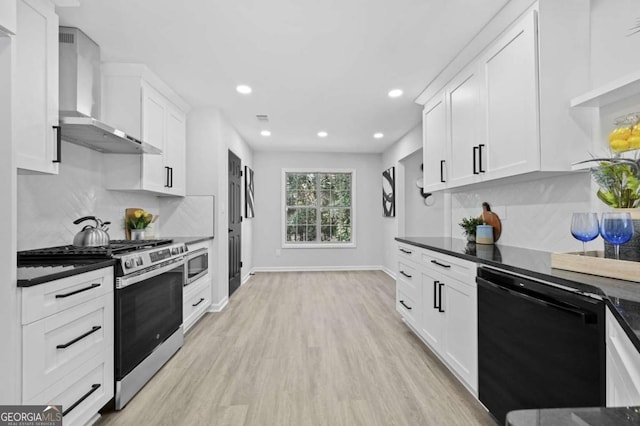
(72, 253)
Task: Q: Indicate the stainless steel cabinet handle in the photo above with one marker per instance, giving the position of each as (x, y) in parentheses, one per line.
(442, 179)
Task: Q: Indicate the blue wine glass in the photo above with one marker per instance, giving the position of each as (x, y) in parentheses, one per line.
(584, 227)
(616, 228)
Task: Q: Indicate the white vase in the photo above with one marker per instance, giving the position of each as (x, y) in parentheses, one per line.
(137, 234)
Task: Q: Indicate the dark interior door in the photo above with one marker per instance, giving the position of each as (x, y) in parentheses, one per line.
(235, 220)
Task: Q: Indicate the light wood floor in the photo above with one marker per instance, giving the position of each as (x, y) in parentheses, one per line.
(307, 348)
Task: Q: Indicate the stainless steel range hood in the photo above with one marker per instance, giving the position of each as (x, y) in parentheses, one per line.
(80, 97)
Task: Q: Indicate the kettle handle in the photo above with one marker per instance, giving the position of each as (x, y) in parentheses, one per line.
(82, 219)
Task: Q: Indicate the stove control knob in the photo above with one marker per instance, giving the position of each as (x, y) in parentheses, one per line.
(128, 263)
(174, 250)
(139, 261)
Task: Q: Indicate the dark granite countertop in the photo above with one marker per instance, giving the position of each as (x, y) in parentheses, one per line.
(30, 275)
(191, 240)
(623, 297)
(601, 416)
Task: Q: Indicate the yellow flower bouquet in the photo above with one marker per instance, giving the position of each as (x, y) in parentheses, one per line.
(140, 220)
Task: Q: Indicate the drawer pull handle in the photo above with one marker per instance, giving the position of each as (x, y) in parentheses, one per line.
(440, 285)
(435, 262)
(94, 388)
(435, 294)
(77, 339)
(405, 274)
(199, 302)
(403, 304)
(406, 251)
(92, 286)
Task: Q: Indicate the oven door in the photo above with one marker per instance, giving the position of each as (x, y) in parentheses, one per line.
(148, 309)
(197, 265)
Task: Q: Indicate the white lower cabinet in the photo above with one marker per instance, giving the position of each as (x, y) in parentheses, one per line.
(441, 307)
(67, 344)
(623, 366)
(196, 300)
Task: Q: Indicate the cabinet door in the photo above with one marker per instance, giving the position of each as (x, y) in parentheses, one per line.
(35, 104)
(154, 176)
(435, 145)
(465, 127)
(460, 343)
(8, 16)
(174, 152)
(511, 69)
(432, 317)
(623, 366)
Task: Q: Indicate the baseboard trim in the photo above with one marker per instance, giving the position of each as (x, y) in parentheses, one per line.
(319, 268)
(218, 307)
(246, 278)
(388, 272)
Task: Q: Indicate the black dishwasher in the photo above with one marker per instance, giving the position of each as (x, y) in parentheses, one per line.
(539, 346)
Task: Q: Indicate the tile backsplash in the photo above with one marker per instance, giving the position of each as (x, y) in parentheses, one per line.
(48, 205)
(535, 214)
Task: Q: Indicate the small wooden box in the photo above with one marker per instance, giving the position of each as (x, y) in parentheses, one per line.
(595, 263)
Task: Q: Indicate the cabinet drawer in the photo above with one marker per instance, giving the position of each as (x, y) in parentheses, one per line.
(407, 306)
(409, 277)
(451, 266)
(82, 392)
(54, 346)
(408, 252)
(42, 300)
(196, 301)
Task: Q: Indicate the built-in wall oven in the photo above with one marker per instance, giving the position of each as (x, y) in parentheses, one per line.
(148, 315)
(196, 265)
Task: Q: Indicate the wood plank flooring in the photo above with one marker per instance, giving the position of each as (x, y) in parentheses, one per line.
(304, 348)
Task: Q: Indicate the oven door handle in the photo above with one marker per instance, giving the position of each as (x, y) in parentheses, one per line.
(199, 252)
(125, 281)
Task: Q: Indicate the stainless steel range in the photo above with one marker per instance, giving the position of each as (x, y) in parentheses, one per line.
(147, 305)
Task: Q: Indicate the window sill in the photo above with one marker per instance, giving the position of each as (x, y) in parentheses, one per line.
(318, 246)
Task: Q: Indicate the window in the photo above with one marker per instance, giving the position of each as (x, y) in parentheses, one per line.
(318, 208)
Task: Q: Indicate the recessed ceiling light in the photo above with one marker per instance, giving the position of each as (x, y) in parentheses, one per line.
(395, 93)
(265, 133)
(323, 134)
(244, 89)
(378, 135)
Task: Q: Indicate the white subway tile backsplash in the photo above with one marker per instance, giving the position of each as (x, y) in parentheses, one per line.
(48, 205)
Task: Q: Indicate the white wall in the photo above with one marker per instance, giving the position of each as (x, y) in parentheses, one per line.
(48, 204)
(268, 190)
(210, 137)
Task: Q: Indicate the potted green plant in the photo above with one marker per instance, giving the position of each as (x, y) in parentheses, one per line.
(469, 225)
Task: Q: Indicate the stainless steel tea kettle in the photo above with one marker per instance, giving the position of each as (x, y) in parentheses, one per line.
(91, 236)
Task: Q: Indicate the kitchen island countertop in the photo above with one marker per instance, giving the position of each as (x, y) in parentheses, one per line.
(623, 297)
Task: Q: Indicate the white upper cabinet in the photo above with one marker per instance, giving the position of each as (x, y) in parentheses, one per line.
(8, 16)
(512, 102)
(138, 103)
(436, 146)
(466, 127)
(508, 110)
(35, 103)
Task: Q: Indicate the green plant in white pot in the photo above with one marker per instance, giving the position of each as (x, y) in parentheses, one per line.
(469, 224)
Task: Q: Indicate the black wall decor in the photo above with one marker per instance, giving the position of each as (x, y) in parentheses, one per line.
(248, 193)
(389, 192)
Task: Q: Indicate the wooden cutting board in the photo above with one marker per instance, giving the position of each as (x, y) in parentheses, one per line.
(129, 213)
(490, 218)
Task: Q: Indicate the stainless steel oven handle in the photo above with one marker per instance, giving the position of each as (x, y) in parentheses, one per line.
(199, 252)
(133, 279)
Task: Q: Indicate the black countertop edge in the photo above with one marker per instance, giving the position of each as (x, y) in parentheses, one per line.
(191, 240)
(80, 269)
(537, 264)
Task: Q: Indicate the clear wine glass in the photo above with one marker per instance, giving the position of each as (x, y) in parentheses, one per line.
(584, 227)
(616, 228)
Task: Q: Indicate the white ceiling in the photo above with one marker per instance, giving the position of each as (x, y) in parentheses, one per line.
(313, 64)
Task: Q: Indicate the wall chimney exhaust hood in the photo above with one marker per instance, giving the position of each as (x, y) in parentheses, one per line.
(80, 97)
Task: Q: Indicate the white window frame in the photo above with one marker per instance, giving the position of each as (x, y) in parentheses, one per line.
(283, 210)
